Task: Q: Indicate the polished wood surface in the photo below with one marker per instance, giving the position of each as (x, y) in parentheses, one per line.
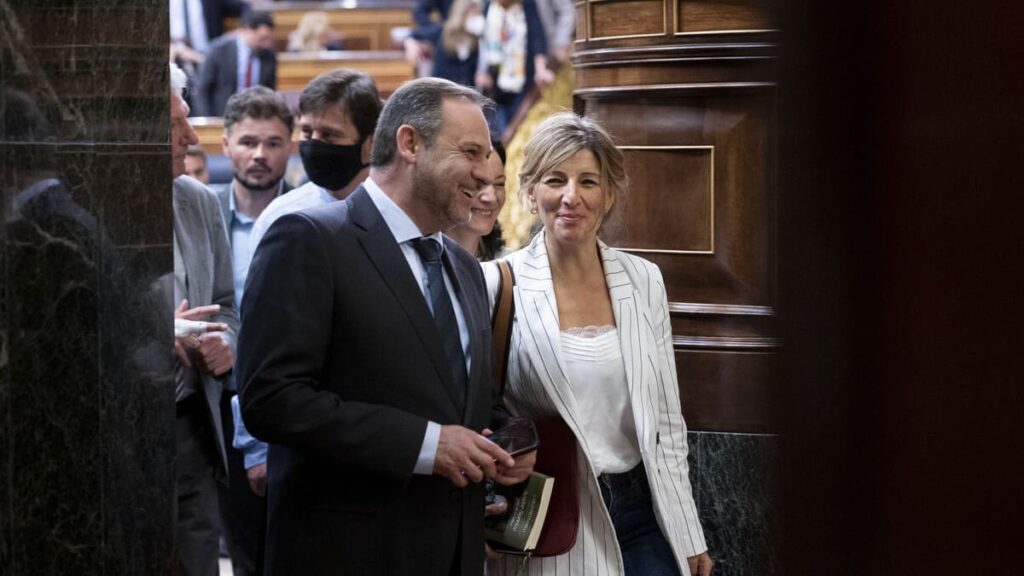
(687, 89)
(363, 25)
(389, 69)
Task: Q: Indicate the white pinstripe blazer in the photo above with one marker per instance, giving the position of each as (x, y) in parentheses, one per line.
(538, 386)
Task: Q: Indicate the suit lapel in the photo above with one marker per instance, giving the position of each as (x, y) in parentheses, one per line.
(383, 251)
(460, 280)
(633, 323)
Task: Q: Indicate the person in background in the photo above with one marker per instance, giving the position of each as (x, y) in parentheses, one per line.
(592, 344)
(425, 44)
(204, 344)
(338, 113)
(513, 57)
(481, 236)
(195, 164)
(257, 140)
(236, 62)
(313, 34)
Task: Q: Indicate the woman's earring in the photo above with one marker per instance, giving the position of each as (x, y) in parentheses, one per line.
(533, 211)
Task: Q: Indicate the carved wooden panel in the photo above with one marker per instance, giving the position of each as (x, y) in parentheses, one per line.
(685, 176)
(697, 16)
(626, 19)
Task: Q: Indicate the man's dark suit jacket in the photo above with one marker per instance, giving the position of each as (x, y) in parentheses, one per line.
(218, 76)
(340, 368)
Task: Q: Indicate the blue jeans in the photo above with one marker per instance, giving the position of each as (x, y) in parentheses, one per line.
(645, 552)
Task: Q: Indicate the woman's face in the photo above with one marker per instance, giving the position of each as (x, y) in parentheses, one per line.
(570, 199)
(486, 206)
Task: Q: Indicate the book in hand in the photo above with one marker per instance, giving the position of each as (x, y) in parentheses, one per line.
(519, 528)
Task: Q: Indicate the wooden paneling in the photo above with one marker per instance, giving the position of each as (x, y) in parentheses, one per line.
(695, 117)
(696, 16)
(388, 69)
(685, 177)
(626, 18)
(210, 131)
(364, 27)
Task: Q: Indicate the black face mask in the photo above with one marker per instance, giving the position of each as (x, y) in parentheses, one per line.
(331, 166)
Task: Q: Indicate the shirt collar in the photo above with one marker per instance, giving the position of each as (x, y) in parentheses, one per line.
(243, 48)
(238, 216)
(402, 227)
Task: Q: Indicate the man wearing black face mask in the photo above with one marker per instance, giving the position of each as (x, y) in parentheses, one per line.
(338, 113)
(235, 62)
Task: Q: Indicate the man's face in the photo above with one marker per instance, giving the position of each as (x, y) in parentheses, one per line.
(182, 135)
(195, 166)
(331, 125)
(454, 170)
(260, 37)
(259, 150)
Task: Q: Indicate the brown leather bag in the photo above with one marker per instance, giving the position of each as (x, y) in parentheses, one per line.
(556, 456)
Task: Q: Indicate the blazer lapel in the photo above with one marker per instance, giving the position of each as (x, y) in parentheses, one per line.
(536, 307)
(383, 250)
(633, 323)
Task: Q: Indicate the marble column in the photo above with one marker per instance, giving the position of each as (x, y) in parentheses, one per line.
(86, 403)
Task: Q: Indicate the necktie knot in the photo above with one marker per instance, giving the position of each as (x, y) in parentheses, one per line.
(428, 249)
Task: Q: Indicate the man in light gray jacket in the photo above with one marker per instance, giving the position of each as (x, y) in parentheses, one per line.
(204, 343)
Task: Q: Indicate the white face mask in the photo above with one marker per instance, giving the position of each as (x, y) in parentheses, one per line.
(475, 24)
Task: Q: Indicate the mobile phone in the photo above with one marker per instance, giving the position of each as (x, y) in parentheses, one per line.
(518, 436)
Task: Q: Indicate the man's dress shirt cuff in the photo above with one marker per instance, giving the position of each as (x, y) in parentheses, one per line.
(425, 461)
(254, 452)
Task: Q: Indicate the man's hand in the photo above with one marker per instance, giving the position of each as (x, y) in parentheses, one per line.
(258, 479)
(188, 328)
(463, 456)
(214, 353)
(509, 475)
(496, 509)
(700, 565)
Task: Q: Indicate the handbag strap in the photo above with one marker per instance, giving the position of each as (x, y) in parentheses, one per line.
(501, 327)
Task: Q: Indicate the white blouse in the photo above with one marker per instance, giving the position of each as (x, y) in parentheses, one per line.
(597, 376)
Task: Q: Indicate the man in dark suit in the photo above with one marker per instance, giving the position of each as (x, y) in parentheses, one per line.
(235, 62)
(258, 141)
(365, 358)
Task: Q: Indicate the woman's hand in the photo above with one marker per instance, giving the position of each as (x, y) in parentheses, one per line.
(700, 565)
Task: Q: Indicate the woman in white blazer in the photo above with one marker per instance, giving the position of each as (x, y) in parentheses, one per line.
(591, 342)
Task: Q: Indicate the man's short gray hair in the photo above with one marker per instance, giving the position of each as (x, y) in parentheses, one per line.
(178, 79)
(417, 103)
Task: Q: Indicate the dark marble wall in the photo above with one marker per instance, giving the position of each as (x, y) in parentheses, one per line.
(733, 482)
(86, 407)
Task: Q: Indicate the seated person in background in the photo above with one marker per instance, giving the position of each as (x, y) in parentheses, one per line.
(513, 57)
(236, 62)
(195, 164)
(481, 236)
(592, 345)
(313, 34)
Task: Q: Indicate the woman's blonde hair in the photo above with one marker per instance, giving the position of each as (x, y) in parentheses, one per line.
(558, 138)
(309, 32)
